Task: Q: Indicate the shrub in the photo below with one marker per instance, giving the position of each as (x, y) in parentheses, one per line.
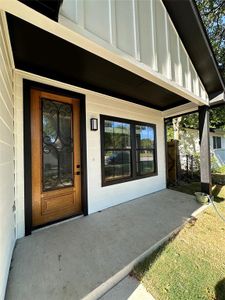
(220, 170)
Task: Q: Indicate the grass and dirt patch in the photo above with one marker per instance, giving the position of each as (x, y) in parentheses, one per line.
(192, 265)
(190, 188)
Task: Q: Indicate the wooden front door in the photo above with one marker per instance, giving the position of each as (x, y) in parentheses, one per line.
(55, 139)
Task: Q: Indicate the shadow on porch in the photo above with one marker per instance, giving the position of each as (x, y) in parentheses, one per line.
(87, 256)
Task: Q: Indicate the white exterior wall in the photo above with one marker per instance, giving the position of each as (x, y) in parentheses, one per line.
(140, 30)
(102, 197)
(7, 216)
(223, 142)
(211, 141)
(98, 197)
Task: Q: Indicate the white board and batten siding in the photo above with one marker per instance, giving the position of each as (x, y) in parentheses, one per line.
(7, 215)
(138, 29)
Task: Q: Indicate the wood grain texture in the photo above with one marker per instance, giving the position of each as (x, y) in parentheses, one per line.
(49, 206)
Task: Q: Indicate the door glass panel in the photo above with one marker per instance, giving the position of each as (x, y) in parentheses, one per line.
(57, 146)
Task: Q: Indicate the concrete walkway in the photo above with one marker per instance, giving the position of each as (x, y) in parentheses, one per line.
(128, 289)
(84, 258)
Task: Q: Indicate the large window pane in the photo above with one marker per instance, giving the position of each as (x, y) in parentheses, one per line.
(117, 165)
(144, 137)
(145, 162)
(117, 135)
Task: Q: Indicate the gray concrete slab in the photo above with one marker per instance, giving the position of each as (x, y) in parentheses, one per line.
(70, 260)
(128, 288)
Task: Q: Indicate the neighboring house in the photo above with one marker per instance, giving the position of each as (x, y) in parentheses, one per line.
(189, 144)
(217, 144)
(84, 92)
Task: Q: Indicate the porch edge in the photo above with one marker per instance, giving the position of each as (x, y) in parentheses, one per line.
(105, 287)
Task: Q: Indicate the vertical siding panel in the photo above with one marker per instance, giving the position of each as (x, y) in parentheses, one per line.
(97, 18)
(80, 12)
(125, 26)
(160, 28)
(189, 81)
(202, 91)
(112, 22)
(154, 42)
(195, 81)
(192, 76)
(168, 48)
(175, 57)
(69, 10)
(136, 30)
(184, 67)
(180, 79)
(146, 33)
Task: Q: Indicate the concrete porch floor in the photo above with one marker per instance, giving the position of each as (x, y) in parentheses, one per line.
(83, 257)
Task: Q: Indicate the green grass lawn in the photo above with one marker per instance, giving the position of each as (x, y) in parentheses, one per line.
(192, 265)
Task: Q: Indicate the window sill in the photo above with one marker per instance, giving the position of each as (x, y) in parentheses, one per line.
(128, 179)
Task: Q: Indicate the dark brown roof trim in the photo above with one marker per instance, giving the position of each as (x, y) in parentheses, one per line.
(49, 8)
(187, 20)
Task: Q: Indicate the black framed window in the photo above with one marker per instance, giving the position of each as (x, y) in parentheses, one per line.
(128, 150)
(216, 142)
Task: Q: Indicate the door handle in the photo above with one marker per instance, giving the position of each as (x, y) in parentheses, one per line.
(77, 173)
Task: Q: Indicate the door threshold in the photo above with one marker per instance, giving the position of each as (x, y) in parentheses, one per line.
(57, 223)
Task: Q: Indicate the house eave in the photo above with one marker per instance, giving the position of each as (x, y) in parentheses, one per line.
(180, 110)
(197, 43)
(135, 68)
(218, 99)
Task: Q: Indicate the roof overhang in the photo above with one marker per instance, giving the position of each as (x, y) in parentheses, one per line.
(191, 30)
(218, 99)
(39, 52)
(81, 62)
(49, 8)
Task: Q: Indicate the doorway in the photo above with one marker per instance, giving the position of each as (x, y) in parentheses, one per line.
(55, 158)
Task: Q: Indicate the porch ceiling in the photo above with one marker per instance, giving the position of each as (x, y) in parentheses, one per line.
(43, 53)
